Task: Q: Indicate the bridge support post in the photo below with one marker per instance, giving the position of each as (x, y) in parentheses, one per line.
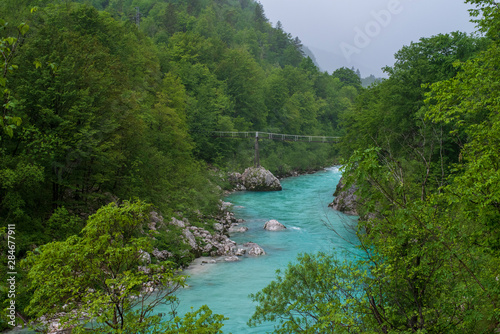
(256, 158)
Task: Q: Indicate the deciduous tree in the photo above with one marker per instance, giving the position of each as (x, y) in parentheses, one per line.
(104, 281)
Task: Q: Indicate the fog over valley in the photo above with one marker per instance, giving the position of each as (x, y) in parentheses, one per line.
(365, 33)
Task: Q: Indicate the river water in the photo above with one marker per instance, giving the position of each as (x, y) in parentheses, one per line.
(302, 206)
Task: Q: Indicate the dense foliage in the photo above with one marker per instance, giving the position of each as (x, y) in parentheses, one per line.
(94, 279)
(426, 169)
(119, 104)
(108, 101)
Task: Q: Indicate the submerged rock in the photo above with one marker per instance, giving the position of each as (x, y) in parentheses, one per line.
(211, 261)
(240, 229)
(274, 225)
(254, 249)
(260, 179)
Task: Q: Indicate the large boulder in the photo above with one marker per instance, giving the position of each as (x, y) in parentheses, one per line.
(260, 179)
(253, 249)
(236, 182)
(274, 225)
(346, 200)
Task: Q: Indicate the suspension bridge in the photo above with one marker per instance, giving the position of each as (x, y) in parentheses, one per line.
(273, 136)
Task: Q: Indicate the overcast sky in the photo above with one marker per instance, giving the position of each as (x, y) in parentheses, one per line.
(365, 33)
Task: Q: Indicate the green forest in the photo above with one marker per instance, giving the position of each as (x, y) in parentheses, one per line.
(107, 113)
(108, 109)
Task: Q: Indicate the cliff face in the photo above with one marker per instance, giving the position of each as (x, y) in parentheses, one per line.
(345, 200)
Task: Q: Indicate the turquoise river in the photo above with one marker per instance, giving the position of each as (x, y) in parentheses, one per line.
(302, 206)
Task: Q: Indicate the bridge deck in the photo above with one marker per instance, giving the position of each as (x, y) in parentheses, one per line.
(276, 136)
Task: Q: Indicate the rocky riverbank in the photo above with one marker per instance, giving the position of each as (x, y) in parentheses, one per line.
(208, 247)
(346, 200)
(202, 242)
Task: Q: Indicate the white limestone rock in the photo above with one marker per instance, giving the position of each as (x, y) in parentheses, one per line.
(254, 249)
(236, 229)
(260, 179)
(162, 255)
(177, 222)
(274, 225)
(145, 256)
